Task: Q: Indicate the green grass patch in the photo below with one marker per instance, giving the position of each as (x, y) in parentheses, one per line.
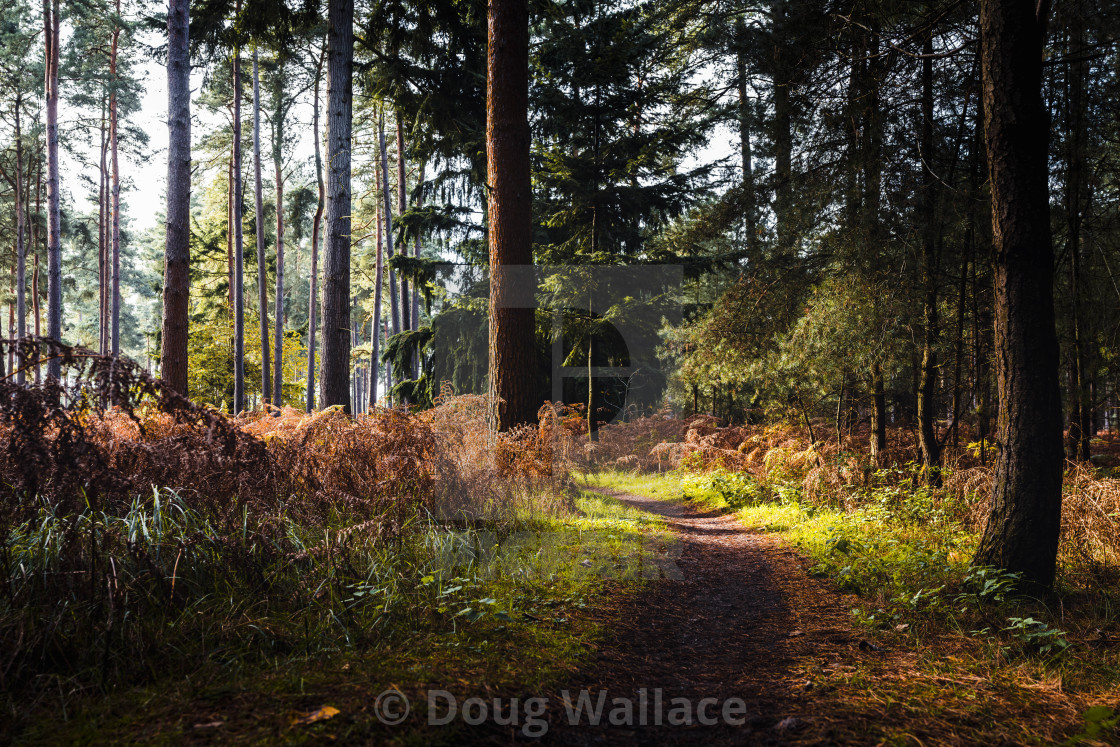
(243, 647)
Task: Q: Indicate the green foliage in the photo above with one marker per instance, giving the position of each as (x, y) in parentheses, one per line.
(210, 351)
(1100, 721)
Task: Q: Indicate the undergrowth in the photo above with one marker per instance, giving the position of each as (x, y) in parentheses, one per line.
(147, 540)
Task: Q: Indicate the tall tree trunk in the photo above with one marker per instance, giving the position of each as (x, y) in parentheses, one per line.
(1021, 534)
(262, 265)
(402, 206)
(35, 305)
(512, 320)
(33, 236)
(386, 195)
(177, 247)
(1081, 404)
(378, 283)
(927, 378)
(51, 25)
(744, 114)
(278, 164)
(115, 342)
(415, 286)
(782, 127)
(371, 372)
(231, 274)
(238, 240)
(102, 233)
(12, 322)
(313, 295)
(21, 246)
(336, 270)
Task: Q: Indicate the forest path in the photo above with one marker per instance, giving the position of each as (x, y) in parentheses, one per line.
(741, 619)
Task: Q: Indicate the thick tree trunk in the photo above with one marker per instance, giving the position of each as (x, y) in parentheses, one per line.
(262, 265)
(114, 127)
(512, 321)
(51, 25)
(927, 379)
(336, 269)
(1021, 534)
(313, 294)
(238, 242)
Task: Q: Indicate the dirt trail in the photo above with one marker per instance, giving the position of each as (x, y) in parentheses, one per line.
(742, 621)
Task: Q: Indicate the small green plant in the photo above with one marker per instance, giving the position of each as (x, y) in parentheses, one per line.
(1036, 636)
(1099, 721)
(988, 585)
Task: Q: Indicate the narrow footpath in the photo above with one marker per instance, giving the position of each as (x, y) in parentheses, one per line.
(742, 619)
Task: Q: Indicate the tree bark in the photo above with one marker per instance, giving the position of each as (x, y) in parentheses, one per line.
(927, 380)
(115, 334)
(262, 266)
(375, 324)
(336, 270)
(744, 113)
(386, 196)
(1021, 534)
(782, 128)
(238, 241)
(278, 314)
(512, 322)
(1080, 431)
(402, 206)
(21, 246)
(51, 26)
(416, 250)
(878, 415)
(313, 294)
(102, 244)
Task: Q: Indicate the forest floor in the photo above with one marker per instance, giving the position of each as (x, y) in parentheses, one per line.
(740, 626)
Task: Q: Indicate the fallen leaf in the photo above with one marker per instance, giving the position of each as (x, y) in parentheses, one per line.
(902, 627)
(795, 633)
(322, 714)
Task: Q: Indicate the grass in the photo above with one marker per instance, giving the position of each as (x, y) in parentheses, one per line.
(974, 662)
(474, 609)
